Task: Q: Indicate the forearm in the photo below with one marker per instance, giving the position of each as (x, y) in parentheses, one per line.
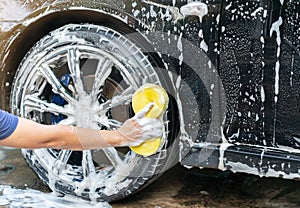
(32, 135)
(97, 139)
(29, 134)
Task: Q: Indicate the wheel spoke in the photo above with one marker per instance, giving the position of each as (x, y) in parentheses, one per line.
(108, 123)
(68, 121)
(74, 67)
(114, 123)
(113, 156)
(39, 85)
(33, 102)
(88, 167)
(123, 99)
(103, 70)
(61, 161)
(57, 87)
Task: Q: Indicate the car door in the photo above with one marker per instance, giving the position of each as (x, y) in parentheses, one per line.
(259, 66)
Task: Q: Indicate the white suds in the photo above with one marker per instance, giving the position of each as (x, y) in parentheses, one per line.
(13, 197)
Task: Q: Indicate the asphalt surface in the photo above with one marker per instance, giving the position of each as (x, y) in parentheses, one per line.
(179, 187)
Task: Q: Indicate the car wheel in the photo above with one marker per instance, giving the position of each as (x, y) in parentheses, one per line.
(85, 75)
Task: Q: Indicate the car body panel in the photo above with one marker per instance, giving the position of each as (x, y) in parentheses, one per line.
(259, 68)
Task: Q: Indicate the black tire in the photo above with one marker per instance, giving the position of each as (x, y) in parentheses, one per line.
(45, 90)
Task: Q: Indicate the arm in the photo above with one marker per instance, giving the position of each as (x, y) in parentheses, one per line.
(31, 135)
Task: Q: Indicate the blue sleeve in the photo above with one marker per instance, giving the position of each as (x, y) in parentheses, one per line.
(8, 124)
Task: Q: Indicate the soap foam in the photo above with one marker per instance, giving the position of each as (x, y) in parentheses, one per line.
(13, 197)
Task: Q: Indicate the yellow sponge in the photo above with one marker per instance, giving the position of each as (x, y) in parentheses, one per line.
(144, 95)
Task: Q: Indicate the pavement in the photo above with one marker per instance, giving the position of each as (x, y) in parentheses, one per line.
(178, 187)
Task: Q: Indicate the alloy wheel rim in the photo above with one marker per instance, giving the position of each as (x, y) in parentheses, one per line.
(38, 75)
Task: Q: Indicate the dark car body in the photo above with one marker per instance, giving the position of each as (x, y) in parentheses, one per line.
(235, 69)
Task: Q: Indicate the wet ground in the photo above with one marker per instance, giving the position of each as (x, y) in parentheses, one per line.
(179, 187)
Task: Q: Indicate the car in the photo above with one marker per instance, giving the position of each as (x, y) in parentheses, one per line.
(231, 70)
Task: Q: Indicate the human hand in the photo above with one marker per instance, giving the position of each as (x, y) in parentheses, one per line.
(137, 129)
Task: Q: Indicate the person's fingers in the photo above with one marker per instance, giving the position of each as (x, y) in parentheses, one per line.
(139, 128)
(149, 121)
(132, 123)
(145, 110)
(152, 128)
(152, 134)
